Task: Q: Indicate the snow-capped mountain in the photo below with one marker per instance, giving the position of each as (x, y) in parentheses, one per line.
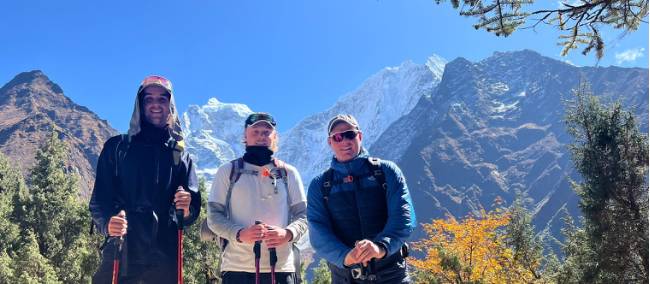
(495, 129)
(214, 134)
(383, 98)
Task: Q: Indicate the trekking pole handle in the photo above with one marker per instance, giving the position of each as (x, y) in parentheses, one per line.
(257, 246)
(180, 213)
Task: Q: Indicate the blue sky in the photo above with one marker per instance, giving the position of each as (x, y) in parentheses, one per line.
(290, 58)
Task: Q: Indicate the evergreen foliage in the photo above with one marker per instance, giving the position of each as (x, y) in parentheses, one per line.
(611, 154)
(580, 21)
(201, 259)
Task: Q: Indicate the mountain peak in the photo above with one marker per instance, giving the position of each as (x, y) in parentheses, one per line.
(213, 102)
(526, 57)
(31, 105)
(436, 64)
(33, 78)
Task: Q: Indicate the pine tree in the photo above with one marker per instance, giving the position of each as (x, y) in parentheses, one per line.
(12, 189)
(30, 266)
(580, 261)
(611, 154)
(55, 214)
(581, 20)
(322, 274)
(520, 237)
(201, 259)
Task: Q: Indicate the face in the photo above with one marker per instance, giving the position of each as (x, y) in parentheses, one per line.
(347, 149)
(156, 106)
(261, 134)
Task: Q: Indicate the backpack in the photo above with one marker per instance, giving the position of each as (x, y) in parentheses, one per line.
(375, 171)
(122, 148)
(236, 170)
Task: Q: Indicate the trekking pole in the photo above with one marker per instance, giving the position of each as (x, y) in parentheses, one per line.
(116, 258)
(258, 252)
(179, 222)
(371, 271)
(273, 258)
(117, 241)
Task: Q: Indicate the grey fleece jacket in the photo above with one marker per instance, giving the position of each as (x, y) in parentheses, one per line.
(254, 197)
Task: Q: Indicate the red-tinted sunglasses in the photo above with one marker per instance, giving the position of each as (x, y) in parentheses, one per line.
(349, 134)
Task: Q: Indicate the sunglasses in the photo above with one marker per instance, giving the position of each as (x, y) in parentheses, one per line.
(349, 134)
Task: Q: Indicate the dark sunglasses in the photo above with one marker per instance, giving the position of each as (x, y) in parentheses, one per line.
(339, 136)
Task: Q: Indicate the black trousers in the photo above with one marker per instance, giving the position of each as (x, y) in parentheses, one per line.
(236, 277)
(163, 270)
(137, 274)
(392, 270)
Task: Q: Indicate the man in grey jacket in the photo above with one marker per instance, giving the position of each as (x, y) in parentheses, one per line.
(258, 201)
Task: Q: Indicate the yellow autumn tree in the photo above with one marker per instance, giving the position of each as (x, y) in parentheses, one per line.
(474, 250)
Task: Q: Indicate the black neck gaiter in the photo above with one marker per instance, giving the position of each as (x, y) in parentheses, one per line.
(258, 155)
(153, 134)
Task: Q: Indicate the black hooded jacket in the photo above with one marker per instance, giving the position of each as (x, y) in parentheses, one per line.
(141, 179)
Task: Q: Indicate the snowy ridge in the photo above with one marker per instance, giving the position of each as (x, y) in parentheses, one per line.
(382, 99)
(213, 134)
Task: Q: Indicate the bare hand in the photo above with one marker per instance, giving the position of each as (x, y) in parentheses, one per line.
(367, 250)
(276, 236)
(363, 252)
(252, 234)
(182, 199)
(350, 258)
(117, 225)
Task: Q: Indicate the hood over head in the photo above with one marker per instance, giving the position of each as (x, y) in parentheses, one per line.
(173, 123)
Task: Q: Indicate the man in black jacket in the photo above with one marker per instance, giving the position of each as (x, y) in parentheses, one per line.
(143, 177)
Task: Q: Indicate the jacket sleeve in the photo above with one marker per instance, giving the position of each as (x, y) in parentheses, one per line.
(297, 205)
(192, 186)
(401, 216)
(104, 202)
(218, 221)
(321, 234)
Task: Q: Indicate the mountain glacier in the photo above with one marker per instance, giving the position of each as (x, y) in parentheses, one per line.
(214, 131)
(382, 99)
(214, 134)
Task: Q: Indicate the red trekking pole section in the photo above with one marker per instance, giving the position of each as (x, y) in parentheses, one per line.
(117, 241)
(180, 216)
(180, 255)
(116, 261)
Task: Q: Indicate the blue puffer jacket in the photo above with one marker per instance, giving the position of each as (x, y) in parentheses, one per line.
(349, 216)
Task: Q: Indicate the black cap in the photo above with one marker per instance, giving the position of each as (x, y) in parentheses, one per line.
(258, 117)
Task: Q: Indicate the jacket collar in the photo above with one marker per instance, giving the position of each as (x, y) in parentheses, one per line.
(353, 166)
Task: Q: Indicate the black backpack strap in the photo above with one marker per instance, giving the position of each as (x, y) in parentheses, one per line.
(377, 172)
(282, 171)
(326, 188)
(236, 168)
(284, 175)
(121, 149)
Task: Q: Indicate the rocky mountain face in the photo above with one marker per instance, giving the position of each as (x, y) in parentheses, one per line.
(382, 99)
(30, 107)
(214, 133)
(495, 129)
(215, 130)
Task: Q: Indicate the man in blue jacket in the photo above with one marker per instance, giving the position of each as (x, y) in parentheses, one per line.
(359, 211)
